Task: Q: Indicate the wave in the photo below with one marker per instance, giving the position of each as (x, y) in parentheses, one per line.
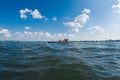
(71, 61)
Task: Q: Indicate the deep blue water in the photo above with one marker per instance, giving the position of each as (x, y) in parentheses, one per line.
(57, 61)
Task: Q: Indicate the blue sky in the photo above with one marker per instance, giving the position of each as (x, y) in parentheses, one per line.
(59, 19)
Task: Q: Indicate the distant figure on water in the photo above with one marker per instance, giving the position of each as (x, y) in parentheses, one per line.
(63, 41)
(59, 41)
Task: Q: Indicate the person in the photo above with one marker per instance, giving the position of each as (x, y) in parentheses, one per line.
(59, 40)
(63, 41)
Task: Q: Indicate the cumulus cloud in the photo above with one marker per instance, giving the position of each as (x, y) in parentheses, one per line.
(35, 14)
(5, 32)
(72, 24)
(23, 13)
(78, 21)
(95, 30)
(75, 30)
(47, 35)
(27, 28)
(86, 11)
(54, 18)
(41, 36)
(116, 7)
(28, 33)
(20, 34)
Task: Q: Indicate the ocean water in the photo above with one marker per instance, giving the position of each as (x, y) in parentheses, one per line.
(58, 61)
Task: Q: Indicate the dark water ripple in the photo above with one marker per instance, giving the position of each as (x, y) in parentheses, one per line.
(54, 61)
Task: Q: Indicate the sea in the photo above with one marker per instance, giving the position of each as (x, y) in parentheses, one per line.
(36, 60)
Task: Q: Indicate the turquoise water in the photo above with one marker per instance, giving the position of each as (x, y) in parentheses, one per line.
(57, 61)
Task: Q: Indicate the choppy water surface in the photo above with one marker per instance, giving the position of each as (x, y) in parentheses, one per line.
(55, 61)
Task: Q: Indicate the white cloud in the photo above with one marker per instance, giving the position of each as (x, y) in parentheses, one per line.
(41, 36)
(96, 30)
(59, 35)
(23, 13)
(5, 32)
(47, 35)
(28, 33)
(81, 19)
(93, 33)
(75, 30)
(27, 28)
(20, 34)
(35, 14)
(116, 7)
(72, 24)
(78, 21)
(54, 18)
(86, 11)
